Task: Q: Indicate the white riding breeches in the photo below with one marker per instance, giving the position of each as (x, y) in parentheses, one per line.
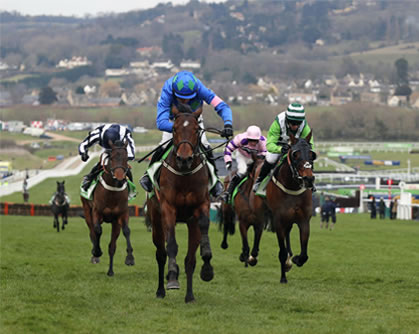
(272, 158)
(242, 163)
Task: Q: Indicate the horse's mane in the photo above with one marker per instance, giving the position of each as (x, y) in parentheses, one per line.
(184, 108)
(301, 144)
(119, 143)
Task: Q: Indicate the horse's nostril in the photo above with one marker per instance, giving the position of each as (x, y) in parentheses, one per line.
(190, 159)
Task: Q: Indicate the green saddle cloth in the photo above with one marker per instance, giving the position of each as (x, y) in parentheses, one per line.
(132, 190)
(262, 187)
(236, 191)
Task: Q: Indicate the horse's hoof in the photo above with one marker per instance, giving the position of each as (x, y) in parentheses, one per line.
(252, 261)
(224, 245)
(284, 280)
(160, 294)
(242, 257)
(129, 260)
(207, 272)
(298, 261)
(94, 259)
(189, 298)
(110, 273)
(173, 285)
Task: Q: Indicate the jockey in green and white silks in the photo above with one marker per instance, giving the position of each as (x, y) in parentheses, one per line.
(289, 121)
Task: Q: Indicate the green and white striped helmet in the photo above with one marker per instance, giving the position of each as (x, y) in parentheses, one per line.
(295, 112)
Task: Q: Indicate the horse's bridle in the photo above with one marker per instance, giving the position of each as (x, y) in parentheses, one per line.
(293, 163)
(195, 148)
(112, 170)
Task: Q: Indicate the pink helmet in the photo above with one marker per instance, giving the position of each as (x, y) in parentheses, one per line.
(253, 132)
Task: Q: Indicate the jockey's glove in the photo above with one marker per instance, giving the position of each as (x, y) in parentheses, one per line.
(285, 148)
(84, 157)
(227, 131)
(228, 165)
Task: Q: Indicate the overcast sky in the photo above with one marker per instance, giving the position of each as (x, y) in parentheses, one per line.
(81, 7)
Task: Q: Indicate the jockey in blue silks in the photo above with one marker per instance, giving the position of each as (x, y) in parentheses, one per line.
(185, 88)
(102, 135)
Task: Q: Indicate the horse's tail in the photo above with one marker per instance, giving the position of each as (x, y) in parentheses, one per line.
(227, 218)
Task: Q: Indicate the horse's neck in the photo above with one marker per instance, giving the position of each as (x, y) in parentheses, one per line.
(284, 175)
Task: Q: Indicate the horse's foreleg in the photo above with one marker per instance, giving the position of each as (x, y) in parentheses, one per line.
(116, 229)
(173, 268)
(304, 227)
(258, 227)
(161, 254)
(244, 256)
(97, 232)
(207, 272)
(281, 235)
(194, 237)
(129, 260)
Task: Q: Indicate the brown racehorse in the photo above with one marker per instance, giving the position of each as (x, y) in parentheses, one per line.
(289, 197)
(110, 204)
(182, 197)
(246, 215)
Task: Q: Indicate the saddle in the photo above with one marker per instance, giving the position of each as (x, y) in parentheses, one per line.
(155, 169)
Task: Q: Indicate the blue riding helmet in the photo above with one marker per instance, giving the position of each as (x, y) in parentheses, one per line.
(185, 85)
(111, 134)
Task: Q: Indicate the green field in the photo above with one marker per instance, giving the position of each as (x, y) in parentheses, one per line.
(362, 277)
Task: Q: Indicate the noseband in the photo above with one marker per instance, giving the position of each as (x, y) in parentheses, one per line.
(112, 169)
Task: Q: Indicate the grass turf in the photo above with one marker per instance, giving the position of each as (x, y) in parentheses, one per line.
(362, 277)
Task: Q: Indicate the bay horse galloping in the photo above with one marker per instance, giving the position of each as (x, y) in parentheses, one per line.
(110, 204)
(59, 206)
(182, 197)
(247, 217)
(289, 197)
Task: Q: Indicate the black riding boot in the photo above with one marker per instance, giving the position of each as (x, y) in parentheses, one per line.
(145, 179)
(91, 176)
(233, 184)
(266, 168)
(218, 188)
(129, 174)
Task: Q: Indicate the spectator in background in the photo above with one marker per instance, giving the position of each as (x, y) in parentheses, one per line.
(328, 210)
(373, 205)
(382, 208)
(393, 209)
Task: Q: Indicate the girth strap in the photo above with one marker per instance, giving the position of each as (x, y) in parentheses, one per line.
(288, 191)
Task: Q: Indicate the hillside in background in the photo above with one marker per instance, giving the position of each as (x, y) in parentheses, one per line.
(235, 40)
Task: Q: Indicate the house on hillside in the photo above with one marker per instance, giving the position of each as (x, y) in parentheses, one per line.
(370, 97)
(414, 100)
(340, 97)
(304, 98)
(397, 101)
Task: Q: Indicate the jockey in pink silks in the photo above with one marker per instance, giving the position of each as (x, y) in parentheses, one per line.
(244, 144)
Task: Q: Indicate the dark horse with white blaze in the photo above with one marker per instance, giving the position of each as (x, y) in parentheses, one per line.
(110, 204)
(242, 208)
(289, 197)
(59, 206)
(182, 197)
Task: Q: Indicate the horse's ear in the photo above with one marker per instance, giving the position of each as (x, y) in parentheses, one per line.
(198, 112)
(175, 110)
(125, 143)
(110, 143)
(58, 183)
(308, 138)
(293, 139)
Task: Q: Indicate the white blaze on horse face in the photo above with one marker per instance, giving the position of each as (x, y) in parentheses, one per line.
(185, 124)
(307, 165)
